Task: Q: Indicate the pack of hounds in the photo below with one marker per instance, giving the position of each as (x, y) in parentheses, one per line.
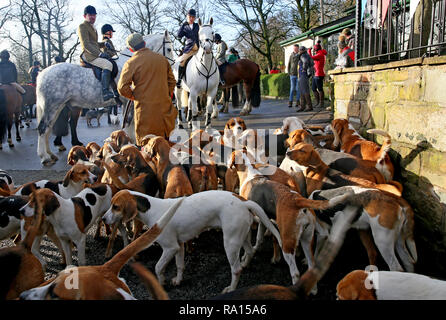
(330, 180)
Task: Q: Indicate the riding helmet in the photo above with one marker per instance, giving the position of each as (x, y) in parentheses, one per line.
(106, 28)
(4, 54)
(192, 13)
(58, 59)
(90, 10)
(217, 37)
(36, 63)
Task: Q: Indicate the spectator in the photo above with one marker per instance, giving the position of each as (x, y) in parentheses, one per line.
(33, 72)
(220, 56)
(306, 70)
(274, 70)
(317, 86)
(350, 39)
(293, 65)
(346, 58)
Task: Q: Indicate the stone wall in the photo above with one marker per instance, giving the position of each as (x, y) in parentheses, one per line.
(408, 100)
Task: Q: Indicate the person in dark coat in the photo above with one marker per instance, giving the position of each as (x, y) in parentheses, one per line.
(8, 72)
(33, 72)
(306, 69)
(189, 30)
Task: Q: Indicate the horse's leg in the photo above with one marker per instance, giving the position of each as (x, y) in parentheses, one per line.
(47, 120)
(11, 145)
(247, 107)
(74, 117)
(17, 125)
(178, 104)
(215, 107)
(209, 104)
(193, 110)
(225, 101)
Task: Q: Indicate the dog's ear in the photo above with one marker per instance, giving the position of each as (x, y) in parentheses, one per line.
(50, 204)
(314, 158)
(142, 203)
(307, 137)
(66, 180)
(130, 211)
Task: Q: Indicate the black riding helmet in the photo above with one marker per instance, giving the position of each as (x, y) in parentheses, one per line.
(217, 37)
(106, 28)
(36, 63)
(58, 59)
(90, 10)
(4, 55)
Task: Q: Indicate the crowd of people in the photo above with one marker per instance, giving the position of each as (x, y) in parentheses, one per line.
(304, 64)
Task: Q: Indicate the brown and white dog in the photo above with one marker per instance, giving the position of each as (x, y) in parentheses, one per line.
(120, 137)
(100, 282)
(351, 142)
(71, 218)
(344, 162)
(172, 178)
(200, 211)
(319, 176)
(390, 219)
(10, 218)
(234, 127)
(6, 183)
(292, 212)
(389, 285)
(20, 269)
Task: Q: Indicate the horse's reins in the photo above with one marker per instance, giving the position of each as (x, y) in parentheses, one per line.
(163, 46)
(209, 74)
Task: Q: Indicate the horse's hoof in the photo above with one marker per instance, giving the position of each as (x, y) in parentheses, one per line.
(189, 125)
(18, 139)
(11, 145)
(1, 147)
(27, 125)
(180, 126)
(62, 148)
(53, 157)
(47, 162)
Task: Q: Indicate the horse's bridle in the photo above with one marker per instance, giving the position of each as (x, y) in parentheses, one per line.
(209, 74)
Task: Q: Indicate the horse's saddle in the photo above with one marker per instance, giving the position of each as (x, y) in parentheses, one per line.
(98, 71)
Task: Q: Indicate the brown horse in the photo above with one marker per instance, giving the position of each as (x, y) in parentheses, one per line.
(11, 107)
(248, 72)
(29, 100)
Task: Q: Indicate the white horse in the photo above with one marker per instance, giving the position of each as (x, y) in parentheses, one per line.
(70, 84)
(202, 78)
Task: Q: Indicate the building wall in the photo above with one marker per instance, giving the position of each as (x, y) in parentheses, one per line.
(408, 100)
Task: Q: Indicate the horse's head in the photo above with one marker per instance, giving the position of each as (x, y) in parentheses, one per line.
(206, 36)
(161, 44)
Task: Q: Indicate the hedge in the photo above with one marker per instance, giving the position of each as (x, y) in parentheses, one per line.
(278, 85)
(275, 85)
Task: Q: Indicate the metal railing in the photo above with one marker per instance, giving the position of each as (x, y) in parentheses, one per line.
(399, 36)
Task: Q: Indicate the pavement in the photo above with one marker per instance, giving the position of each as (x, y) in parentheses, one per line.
(23, 157)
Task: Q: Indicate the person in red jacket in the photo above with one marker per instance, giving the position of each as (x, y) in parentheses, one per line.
(319, 57)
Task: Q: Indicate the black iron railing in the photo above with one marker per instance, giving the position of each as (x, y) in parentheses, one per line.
(400, 36)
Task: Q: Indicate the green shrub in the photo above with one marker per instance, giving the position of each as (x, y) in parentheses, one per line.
(275, 85)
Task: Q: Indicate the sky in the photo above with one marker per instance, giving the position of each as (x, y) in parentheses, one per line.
(227, 32)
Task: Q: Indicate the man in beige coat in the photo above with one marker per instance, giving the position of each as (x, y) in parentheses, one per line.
(153, 84)
(91, 50)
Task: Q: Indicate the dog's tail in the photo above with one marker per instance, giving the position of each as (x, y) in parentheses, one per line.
(323, 204)
(3, 116)
(144, 241)
(327, 254)
(117, 183)
(259, 212)
(151, 282)
(385, 146)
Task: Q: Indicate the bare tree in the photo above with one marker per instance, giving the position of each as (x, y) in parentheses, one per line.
(140, 16)
(261, 23)
(4, 13)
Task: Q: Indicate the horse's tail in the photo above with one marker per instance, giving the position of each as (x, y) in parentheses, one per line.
(255, 90)
(3, 115)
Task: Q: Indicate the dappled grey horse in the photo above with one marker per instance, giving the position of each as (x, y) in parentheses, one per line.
(66, 84)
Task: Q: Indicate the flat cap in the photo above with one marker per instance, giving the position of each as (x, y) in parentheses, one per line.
(134, 40)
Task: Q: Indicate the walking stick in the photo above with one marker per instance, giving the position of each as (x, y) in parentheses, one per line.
(126, 113)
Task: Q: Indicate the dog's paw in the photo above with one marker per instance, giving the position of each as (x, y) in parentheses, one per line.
(227, 289)
(176, 281)
(275, 260)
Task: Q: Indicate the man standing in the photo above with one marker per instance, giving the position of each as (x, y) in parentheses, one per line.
(8, 72)
(189, 30)
(293, 65)
(221, 56)
(153, 84)
(91, 50)
(318, 79)
(306, 69)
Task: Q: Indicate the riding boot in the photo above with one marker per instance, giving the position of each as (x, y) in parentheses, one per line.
(181, 71)
(308, 100)
(316, 97)
(321, 99)
(105, 81)
(302, 104)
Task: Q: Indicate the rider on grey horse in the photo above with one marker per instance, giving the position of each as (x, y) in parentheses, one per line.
(189, 30)
(91, 50)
